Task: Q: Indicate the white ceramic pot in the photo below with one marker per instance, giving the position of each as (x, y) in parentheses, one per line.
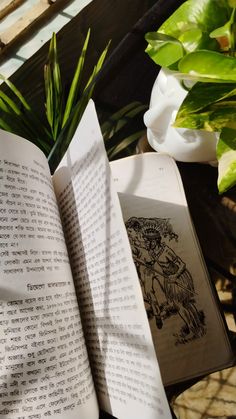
(183, 144)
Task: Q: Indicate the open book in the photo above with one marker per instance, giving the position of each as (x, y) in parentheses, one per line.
(74, 328)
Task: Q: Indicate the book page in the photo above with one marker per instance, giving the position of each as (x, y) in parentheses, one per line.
(118, 337)
(44, 368)
(187, 328)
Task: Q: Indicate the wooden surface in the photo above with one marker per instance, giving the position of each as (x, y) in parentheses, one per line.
(15, 54)
(42, 9)
(108, 20)
(214, 215)
(129, 75)
(7, 6)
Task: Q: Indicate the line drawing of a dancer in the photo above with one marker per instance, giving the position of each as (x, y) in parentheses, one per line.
(156, 261)
(142, 259)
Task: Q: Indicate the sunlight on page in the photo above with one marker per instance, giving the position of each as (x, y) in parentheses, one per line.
(44, 364)
(183, 312)
(123, 360)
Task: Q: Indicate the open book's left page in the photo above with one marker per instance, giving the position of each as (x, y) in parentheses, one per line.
(44, 368)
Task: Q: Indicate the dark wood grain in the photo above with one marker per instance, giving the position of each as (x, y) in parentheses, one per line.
(214, 215)
(129, 75)
(108, 20)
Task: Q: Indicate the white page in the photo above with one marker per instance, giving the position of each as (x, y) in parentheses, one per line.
(44, 369)
(124, 364)
(151, 191)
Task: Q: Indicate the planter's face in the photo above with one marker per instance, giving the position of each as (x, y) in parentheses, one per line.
(182, 144)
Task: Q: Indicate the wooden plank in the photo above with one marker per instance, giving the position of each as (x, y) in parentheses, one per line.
(121, 15)
(36, 12)
(7, 6)
(13, 56)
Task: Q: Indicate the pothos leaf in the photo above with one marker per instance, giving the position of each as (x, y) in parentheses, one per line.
(226, 155)
(209, 65)
(186, 30)
(204, 14)
(204, 94)
(162, 49)
(213, 118)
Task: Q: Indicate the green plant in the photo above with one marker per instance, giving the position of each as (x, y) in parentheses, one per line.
(197, 42)
(121, 130)
(63, 112)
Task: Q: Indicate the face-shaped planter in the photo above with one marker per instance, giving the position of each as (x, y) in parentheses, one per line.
(183, 144)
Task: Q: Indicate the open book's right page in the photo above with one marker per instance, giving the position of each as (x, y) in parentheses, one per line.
(187, 328)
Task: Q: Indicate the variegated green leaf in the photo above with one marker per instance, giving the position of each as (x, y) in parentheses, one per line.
(226, 155)
(188, 29)
(204, 14)
(213, 118)
(225, 34)
(204, 94)
(208, 66)
(208, 106)
(163, 49)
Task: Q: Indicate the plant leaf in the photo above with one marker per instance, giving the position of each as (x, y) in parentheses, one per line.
(22, 121)
(91, 82)
(125, 133)
(20, 126)
(12, 125)
(226, 154)
(212, 118)
(119, 119)
(67, 132)
(53, 89)
(16, 92)
(75, 85)
(191, 39)
(203, 14)
(223, 31)
(208, 106)
(163, 49)
(8, 104)
(86, 95)
(223, 34)
(190, 26)
(124, 144)
(209, 66)
(204, 94)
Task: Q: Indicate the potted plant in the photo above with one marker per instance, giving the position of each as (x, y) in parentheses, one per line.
(64, 110)
(196, 86)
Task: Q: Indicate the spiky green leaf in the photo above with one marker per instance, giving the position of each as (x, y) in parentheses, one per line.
(53, 89)
(75, 85)
(124, 144)
(16, 92)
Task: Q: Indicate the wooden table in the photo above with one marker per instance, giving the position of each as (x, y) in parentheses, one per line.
(127, 76)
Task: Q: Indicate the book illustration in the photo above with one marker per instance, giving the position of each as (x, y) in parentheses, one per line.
(162, 272)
